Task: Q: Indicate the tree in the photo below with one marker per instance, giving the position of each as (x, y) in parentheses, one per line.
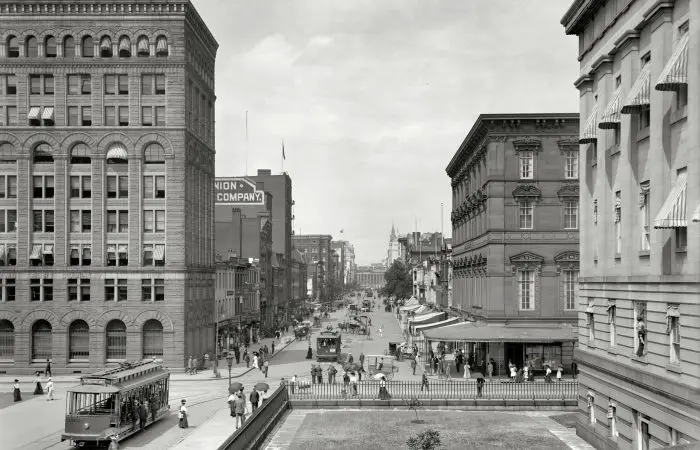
(414, 404)
(398, 281)
(427, 440)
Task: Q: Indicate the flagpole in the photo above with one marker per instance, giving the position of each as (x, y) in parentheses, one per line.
(246, 143)
(283, 156)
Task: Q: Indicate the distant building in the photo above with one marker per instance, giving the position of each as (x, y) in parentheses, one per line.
(638, 307)
(394, 250)
(371, 277)
(317, 249)
(346, 263)
(299, 279)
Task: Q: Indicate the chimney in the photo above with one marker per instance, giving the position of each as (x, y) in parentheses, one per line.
(263, 172)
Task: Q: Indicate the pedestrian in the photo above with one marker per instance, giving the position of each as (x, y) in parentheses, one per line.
(154, 404)
(559, 374)
(319, 374)
(479, 386)
(247, 360)
(143, 415)
(548, 375)
(266, 367)
(489, 370)
(309, 352)
(254, 398)
(182, 415)
(362, 359)
(458, 361)
(350, 358)
(574, 369)
(513, 371)
(293, 383)
(16, 392)
(272, 346)
(381, 330)
(531, 371)
(47, 371)
(313, 373)
(525, 372)
(38, 390)
(346, 379)
(331, 373)
(383, 393)
(414, 364)
(353, 383)
(237, 354)
(49, 389)
(255, 361)
(239, 409)
(424, 382)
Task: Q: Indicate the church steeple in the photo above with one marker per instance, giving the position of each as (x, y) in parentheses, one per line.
(392, 236)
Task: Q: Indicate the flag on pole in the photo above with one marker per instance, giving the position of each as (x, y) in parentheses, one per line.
(341, 230)
(284, 157)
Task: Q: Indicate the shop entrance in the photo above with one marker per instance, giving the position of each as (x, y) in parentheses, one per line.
(514, 353)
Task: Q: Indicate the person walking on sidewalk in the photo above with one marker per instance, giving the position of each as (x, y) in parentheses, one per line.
(331, 373)
(247, 360)
(254, 399)
(266, 367)
(237, 354)
(272, 347)
(16, 392)
(47, 371)
(38, 390)
(414, 364)
(239, 408)
(362, 359)
(424, 382)
(49, 389)
(182, 415)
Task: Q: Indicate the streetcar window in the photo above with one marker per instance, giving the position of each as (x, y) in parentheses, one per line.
(81, 403)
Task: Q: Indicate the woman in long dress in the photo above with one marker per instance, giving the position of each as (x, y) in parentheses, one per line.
(16, 391)
(467, 371)
(383, 393)
(38, 390)
(255, 361)
(182, 415)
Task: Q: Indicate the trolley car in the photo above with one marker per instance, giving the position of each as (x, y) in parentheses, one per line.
(328, 345)
(105, 404)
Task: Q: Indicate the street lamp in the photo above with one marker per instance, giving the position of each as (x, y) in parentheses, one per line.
(229, 360)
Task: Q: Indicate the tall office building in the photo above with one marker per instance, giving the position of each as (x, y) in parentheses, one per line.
(106, 198)
(638, 308)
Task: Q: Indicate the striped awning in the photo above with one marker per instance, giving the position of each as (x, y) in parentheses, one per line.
(611, 116)
(36, 251)
(123, 248)
(675, 73)
(34, 113)
(117, 151)
(48, 113)
(590, 131)
(638, 96)
(159, 253)
(143, 45)
(106, 43)
(673, 212)
(111, 249)
(162, 45)
(696, 214)
(125, 44)
(2, 251)
(48, 249)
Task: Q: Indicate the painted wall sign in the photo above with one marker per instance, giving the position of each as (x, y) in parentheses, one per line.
(237, 191)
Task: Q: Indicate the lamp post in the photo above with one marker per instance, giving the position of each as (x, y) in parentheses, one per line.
(216, 348)
(229, 360)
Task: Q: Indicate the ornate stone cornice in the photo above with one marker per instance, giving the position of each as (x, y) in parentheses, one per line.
(628, 39)
(527, 191)
(602, 65)
(568, 260)
(527, 145)
(568, 145)
(527, 261)
(583, 82)
(568, 190)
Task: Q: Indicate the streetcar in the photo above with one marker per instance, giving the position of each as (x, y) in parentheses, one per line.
(328, 344)
(104, 405)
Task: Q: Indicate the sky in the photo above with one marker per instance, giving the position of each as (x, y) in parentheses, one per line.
(372, 98)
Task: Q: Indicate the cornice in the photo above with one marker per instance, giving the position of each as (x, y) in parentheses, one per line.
(660, 12)
(628, 38)
(527, 145)
(577, 14)
(585, 80)
(602, 65)
(568, 145)
(76, 66)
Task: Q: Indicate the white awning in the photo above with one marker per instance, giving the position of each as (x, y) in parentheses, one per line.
(159, 253)
(36, 251)
(34, 113)
(675, 73)
(696, 214)
(106, 43)
(124, 44)
(638, 96)
(162, 45)
(111, 249)
(48, 249)
(590, 309)
(117, 151)
(48, 113)
(428, 326)
(123, 249)
(611, 116)
(143, 45)
(590, 131)
(673, 212)
(2, 251)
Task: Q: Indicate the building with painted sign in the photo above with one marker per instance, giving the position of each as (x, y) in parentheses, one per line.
(107, 151)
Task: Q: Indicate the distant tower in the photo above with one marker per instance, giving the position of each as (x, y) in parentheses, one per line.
(393, 250)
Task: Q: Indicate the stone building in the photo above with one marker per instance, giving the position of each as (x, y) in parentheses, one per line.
(317, 249)
(515, 188)
(639, 326)
(369, 277)
(107, 148)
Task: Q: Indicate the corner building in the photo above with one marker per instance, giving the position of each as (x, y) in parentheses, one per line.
(639, 308)
(107, 149)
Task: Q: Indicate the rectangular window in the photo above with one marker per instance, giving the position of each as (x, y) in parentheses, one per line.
(612, 323)
(48, 85)
(8, 220)
(86, 222)
(590, 319)
(35, 84)
(612, 415)
(11, 85)
(74, 84)
(146, 84)
(639, 320)
(75, 221)
(645, 212)
(148, 222)
(644, 117)
(38, 220)
(153, 290)
(72, 115)
(571, 169)
(123, 116)
(110, 84)
(80, 186)
(160, 116)
(41, 289)
(123, 221)
(110, 116)
(117, 186)
(8, 186)
(115, 290)
(43, 186)
(80, 255)
(618, 223)
(117, 255)
(117, 221)
(526, 289)
(525, 214)
(87, 116)
(8, 291)
(85, 84)
(148, 255)
(674, 326)
(682, 96)
(123, 87)
(154, 186)
(570, 214)
(681, 238)
(11, 118)
(160, 84)
(160, 221)
(78, 289)
(527, 160)
(147, 116)
(570, 283)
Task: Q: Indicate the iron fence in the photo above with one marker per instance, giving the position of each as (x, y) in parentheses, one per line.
(456, 390)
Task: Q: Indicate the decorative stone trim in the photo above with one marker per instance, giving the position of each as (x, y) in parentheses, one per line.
(527, 191)
(35, 139)
(38, 314)
(568, 260)
(111, 138)
(12, 140)
(527, 261)
(568, 145)
(568, 190)
(114, 314)
(644, 188)
(527, 145)
(160, 316)
(79, 314)
(76, 138)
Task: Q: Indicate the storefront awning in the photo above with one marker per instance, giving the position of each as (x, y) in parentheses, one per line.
(472, 332)
(48, 249)
(675, 73)
(429, 326)
(409, 308)
(590, 131)
(696, 214)
(36, 251)
(34, 113)
(117, 151)
(48, 113)
(611, 116)
(673, 212)
(159, 253)
(426, 318)
(638, 96)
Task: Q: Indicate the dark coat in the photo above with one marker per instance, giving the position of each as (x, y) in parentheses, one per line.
(254, 397)
(143, 412)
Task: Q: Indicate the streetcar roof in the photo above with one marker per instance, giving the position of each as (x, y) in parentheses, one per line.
(120, 387)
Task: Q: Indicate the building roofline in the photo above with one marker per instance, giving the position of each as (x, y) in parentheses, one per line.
(477, 132)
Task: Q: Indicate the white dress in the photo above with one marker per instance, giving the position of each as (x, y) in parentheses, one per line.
(255, 362)
(467, 373)
(513, 372)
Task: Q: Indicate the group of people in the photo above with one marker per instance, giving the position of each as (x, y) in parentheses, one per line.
(527, 373)
(237, 405)
(38, 388)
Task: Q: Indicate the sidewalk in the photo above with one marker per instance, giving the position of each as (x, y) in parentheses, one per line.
(237, 370)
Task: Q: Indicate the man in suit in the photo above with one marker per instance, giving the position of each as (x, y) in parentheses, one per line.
(143, 415)
(254, 399)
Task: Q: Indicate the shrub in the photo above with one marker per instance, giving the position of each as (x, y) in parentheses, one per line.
(427, 440)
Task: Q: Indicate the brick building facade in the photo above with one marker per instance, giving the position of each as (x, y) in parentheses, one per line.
(317, 249)
(107, 148)
(639, 314)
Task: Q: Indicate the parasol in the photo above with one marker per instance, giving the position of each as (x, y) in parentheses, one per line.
(235, 387)
(262, 387)
(379, 376)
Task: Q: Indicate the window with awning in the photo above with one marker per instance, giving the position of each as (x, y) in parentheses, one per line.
(161, 46)
(124, 47)
(48, 249)
(143, 46)
(36, 251)
(159, 253)
(47, 114)
(675, 73)
(611, 115)
(590, 130)
(673, 212)
(34, 113)
(117, 153)
(106, 47)
(638, 97)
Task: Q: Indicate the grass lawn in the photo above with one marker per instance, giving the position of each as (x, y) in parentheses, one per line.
(387, 429)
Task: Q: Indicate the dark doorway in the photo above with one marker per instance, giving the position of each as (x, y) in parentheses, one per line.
(514, 354)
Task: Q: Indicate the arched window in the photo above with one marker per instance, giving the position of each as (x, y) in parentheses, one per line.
(41, 340)
(161, 46)
(79, 340)
(68, 47)
(124, 47)
(88, 47)
(12, 47)
(106, 47)
(152, 339)
(43, 154)
(7, 341)
(32, 47)
(80, 154)
(115, 340)
(50, 47)
(154, 154)
(7, 153)
(117, 154)
(143, 48)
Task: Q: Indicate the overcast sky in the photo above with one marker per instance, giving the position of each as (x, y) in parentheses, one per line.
(373, 97)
